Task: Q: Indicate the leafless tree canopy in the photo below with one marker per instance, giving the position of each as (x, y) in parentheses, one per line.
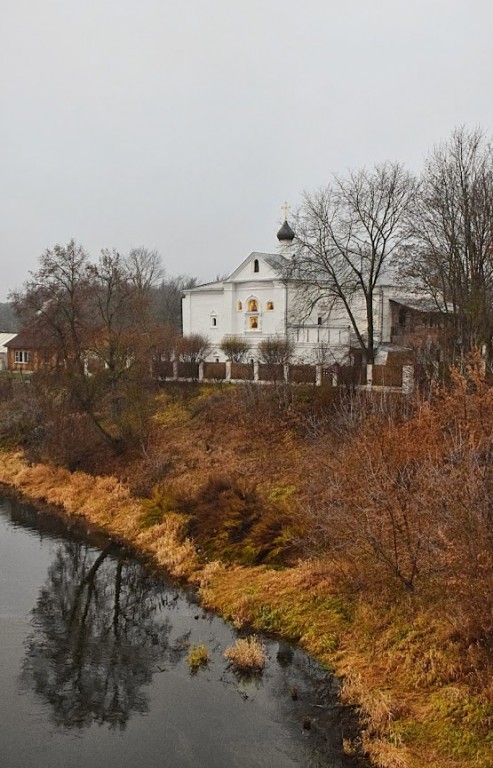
(452, 222)
(192, 348)
(93, 325)
(275, 350)
(347, 234)
(166, 299)
(145, 268)
(235, 348)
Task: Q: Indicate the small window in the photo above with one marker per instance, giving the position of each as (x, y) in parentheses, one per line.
(256, 266)
(319, 320)
(270, 305)
(239, 306)
(214, 322)
(22, 356)
(216, 359)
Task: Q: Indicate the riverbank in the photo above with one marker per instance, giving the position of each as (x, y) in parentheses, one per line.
(391, 661)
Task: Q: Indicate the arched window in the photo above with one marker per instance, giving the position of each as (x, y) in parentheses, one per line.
(270, 305)
(256, 266)
(319, 320)
(213, 320)
(239, 306)
(252, 305)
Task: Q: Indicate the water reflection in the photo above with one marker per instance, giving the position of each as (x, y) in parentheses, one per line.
(96, 637)
(92, 648)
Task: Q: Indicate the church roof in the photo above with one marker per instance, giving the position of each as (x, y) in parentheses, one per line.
(274, 260)
(216, 285)
(285, 233)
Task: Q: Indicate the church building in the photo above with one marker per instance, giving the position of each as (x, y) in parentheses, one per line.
(257, 302)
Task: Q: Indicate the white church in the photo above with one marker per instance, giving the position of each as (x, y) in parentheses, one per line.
(256, 302)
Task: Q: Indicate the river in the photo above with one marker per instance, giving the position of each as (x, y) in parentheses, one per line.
(93, 667)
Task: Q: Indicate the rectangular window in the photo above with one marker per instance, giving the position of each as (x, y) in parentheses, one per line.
(22, 356)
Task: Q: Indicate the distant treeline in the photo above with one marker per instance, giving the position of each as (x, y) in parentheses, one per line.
(9, 322)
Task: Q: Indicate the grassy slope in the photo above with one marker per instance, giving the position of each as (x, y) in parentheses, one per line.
(400, 664)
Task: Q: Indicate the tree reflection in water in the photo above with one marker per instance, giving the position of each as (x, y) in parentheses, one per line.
(96, 637)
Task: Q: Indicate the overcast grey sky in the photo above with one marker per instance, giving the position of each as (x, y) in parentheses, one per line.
(183, 125)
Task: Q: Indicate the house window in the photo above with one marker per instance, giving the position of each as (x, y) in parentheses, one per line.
(256, 266)
(270, 305)
(239, 306)
(22, 356)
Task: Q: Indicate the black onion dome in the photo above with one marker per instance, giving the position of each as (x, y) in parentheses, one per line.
(285, 233)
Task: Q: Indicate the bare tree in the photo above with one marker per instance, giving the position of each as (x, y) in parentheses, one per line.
(235, 348)
(56, 297)
(452, 253)
(348, 235)
(275, 350)
(145, 268)
(92, 322)
(192, 348)
(167, 299)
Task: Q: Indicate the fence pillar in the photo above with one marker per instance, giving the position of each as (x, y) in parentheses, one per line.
(255, 370)
(407, 379)
(228, 370)
(318, 375)
(369, 375)
(201, 370)
(175, 369)
(286, 371)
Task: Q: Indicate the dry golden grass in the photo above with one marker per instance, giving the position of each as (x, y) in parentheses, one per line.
(105, 502)
(198, 656)
(171, 550)
(246, 655)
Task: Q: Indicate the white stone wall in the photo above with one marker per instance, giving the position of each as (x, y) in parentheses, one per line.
(323, 335)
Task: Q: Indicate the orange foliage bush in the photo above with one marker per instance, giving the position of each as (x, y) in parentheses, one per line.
(410, 503)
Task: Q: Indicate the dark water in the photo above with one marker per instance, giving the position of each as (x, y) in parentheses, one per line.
(93, 668)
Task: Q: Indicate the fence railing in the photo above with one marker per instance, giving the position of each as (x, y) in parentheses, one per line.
(364, 377)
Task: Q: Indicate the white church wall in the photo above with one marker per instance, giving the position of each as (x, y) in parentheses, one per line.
(322, 334)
